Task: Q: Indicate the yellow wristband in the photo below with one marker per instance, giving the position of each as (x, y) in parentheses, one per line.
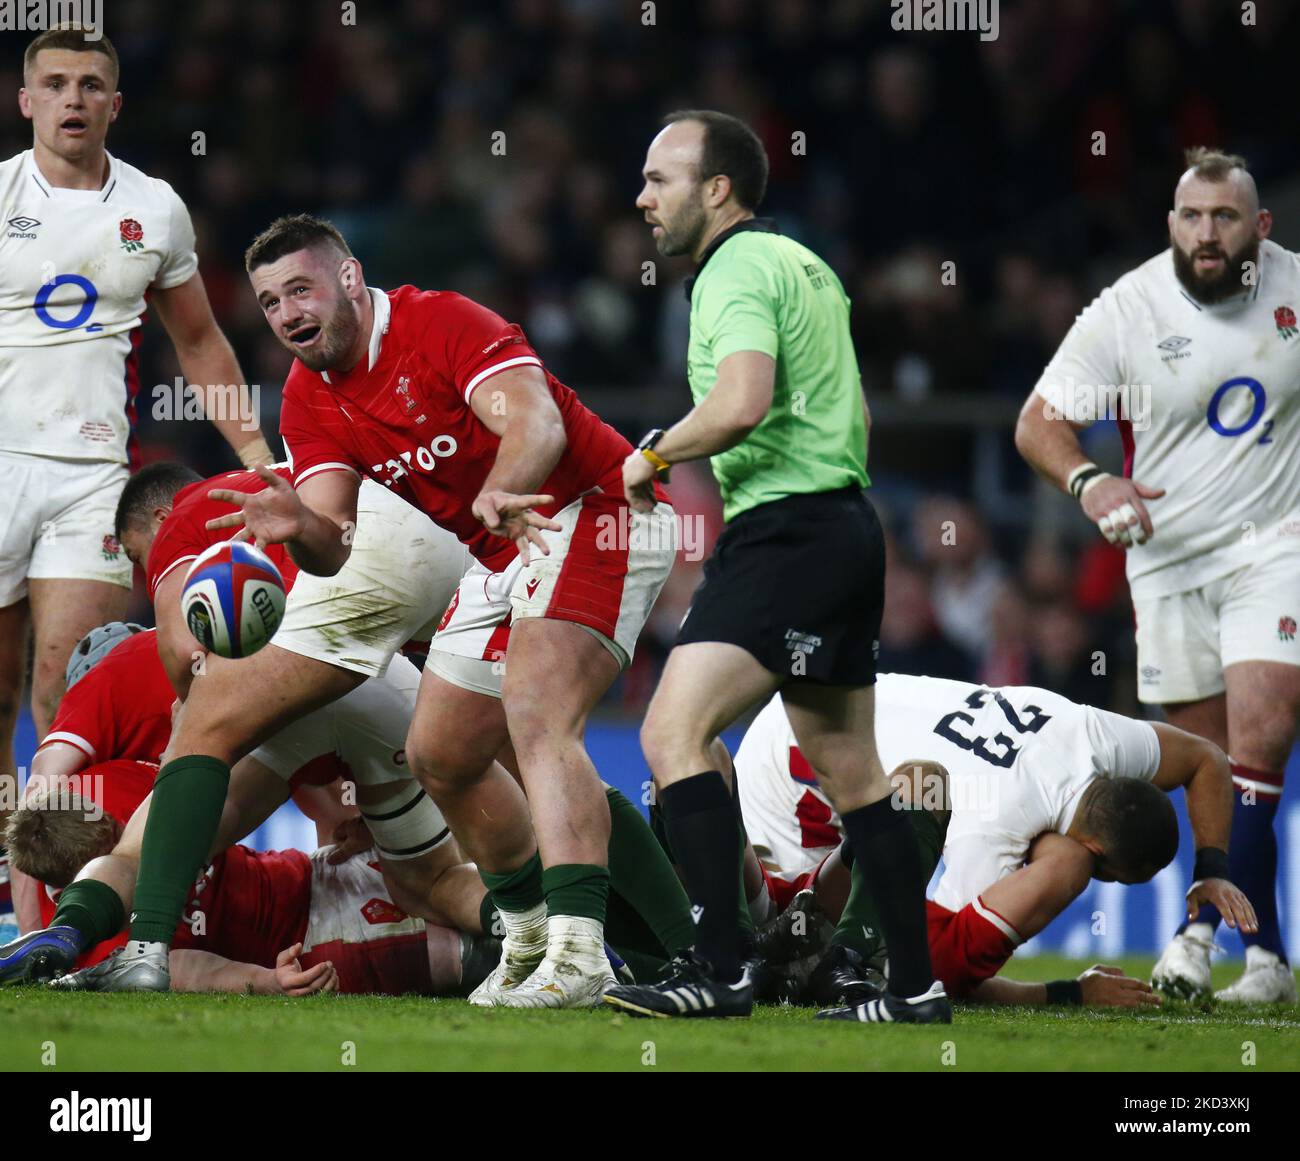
(255, 451)
(659, 463)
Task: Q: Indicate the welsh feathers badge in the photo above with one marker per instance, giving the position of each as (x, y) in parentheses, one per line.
(132, 235)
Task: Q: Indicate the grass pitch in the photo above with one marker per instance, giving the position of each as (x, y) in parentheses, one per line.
(213, 1033)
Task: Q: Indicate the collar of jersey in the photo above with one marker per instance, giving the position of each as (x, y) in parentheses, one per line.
(29, 164)
(383, 315)
(762, 225)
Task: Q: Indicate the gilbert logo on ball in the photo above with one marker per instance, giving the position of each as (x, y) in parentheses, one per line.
(233, 599)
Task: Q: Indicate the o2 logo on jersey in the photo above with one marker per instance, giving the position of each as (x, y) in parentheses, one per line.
(41, 304)
(426, 459)
(1259, 400)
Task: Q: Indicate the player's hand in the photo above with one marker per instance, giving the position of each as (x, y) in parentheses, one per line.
(511, 517)
(1227, 898)
(638, 482)
(274, 515)
(294, 981)
(351, 837)
(1115, 505)
(1108, 987)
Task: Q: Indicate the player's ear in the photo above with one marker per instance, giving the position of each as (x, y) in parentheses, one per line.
(1264, 224)
(24, 103)
(117, 107)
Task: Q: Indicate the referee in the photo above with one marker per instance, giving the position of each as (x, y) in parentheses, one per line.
(792, 595)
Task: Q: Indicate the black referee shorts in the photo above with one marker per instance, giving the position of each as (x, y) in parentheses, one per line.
(800, 584)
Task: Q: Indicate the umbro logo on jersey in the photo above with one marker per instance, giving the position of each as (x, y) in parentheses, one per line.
(23, 227)
(1173, 348)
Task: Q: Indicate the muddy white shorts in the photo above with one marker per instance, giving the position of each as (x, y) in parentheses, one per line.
(394, 588)
(56, 522)
(604, 572)
(1186, 640)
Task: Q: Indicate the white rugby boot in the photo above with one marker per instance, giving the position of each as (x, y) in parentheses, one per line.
(575, 973)
(1266, 980)
(1183, 971)
(137, 967)
(522, 950)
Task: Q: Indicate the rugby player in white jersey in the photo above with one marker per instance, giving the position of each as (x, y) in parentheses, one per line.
(83, 238)
(1023, 765)
(1201, 345)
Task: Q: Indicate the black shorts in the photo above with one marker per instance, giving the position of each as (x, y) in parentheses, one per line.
(800, 584)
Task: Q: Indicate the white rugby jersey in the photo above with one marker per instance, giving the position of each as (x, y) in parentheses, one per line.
(1222, 385)
(74, 269)
(1018, 759)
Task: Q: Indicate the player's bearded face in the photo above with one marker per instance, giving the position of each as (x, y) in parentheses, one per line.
(339, 329)
(1220, 280)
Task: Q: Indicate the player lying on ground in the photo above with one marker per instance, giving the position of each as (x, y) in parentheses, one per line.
(1208, 328)
(270, 921)
(1022, 766)
(337, 632)
(649, 916)
(447, 403)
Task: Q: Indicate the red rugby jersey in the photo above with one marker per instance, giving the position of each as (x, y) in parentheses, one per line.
(403, 416)
(122, 708)
(183, 536)
(254, 905)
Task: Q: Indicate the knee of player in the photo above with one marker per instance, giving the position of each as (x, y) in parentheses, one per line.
(1267, 736)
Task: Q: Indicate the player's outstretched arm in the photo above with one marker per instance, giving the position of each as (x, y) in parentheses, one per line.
(1201, 769)
(1100, 986)
(202, 971)
(209, 363)
(317, 522)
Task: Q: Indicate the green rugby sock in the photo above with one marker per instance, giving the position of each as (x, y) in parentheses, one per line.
(640, 872)
(517, 890)
(188, 795)
(92, 908)
(576, 889)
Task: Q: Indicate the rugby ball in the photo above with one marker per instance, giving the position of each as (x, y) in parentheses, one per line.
(233, 599)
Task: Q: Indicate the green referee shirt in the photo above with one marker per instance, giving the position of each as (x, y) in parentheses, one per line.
(757, 290)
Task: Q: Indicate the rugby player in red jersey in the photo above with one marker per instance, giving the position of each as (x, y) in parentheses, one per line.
(302, 696)
(448, 405)
(278, 922)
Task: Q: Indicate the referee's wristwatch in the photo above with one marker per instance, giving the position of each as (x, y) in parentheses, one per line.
(647, 448)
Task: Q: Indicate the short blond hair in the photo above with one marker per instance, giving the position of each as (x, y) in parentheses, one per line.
(52, 838)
